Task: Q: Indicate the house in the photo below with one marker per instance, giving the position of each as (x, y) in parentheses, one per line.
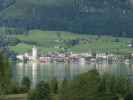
(20, 57)
(130, 45)
(28, 56)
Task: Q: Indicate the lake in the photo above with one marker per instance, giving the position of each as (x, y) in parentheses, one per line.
(40, 71)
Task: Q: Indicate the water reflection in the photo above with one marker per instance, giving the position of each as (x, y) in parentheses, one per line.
(35, 72)
(39, 71)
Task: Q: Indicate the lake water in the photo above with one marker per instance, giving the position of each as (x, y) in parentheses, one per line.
(39, 71)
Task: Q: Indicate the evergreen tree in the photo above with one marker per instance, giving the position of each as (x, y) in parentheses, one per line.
(5, 73)
(41, 92)
(92, 86)
(54, 86)
(26, 83)
(83, 87)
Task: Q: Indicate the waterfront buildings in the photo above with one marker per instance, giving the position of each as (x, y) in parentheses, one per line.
(71, 57)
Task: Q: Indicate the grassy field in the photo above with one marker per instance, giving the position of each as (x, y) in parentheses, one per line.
(105, 44)
(50, 41)
(46, 41)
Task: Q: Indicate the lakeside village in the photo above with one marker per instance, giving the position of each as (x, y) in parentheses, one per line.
(73, 57)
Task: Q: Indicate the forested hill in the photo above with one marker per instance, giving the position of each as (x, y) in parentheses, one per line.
(113, 17)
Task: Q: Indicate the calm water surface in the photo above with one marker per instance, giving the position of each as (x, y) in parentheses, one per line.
(39, 71)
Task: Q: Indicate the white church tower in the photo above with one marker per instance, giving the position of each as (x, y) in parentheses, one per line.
(34, 53)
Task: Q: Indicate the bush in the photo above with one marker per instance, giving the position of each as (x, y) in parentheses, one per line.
(41, 92)
(54, 86)
(26, 84)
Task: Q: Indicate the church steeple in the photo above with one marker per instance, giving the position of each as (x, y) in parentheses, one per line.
(34, 53)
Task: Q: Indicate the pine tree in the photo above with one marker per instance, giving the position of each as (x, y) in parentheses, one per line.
(5, 73)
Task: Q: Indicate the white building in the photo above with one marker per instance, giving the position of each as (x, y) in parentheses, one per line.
(101, 55)
(20, 57)
(130, 45)
(34, 53)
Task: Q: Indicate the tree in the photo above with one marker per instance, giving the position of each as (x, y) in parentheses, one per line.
(92, 86)
(59, 36)
(129, 96)
(83, 87)
(26, 83)
(41, 92)
(5, 73)
(114, 86)
(64, 82)
(54, 86)
(33, 95)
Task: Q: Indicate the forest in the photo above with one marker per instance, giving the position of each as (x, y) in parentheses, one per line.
(102, 17)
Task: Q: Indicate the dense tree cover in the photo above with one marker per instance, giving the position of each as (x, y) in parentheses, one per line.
(5, 73)
(91, 86)
(88, 86)
(117, 86)
(26, 84)
(6, 3)
(113, 17)
(54, 86)
(82, 88)
(41, 92)
(129, 96)
(7, 85)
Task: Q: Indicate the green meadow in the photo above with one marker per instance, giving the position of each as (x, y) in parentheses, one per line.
(56, 41)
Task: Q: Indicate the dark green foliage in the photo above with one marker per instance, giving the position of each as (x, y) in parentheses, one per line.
(92, 86)
(129, 96)
(41, 92)
(107, 96)
(14, 88)
(64, 83)
(6, 3)
(4, 67)
(81, 88)
(32, 95)
(115, 85)
(54, 86)
(113, 17)
(117, 40)
(118, 87)
(71, 43)
(26, 83)
(5, 73)
(12, 41)
(7, 86)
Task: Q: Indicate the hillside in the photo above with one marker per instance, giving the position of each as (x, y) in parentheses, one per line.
(59, 41)
(112, 17)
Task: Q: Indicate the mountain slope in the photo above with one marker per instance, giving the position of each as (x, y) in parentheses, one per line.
(6, 3)
(113, 17)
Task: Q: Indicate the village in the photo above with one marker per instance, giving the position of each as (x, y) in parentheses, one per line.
(82, 58)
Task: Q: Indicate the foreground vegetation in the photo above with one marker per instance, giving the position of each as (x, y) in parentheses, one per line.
(88, 86)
